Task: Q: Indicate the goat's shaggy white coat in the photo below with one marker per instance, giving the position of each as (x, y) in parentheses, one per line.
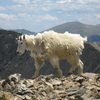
(54, 47)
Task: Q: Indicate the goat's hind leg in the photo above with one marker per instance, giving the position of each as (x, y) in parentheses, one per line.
(76, 65)
(80, 67)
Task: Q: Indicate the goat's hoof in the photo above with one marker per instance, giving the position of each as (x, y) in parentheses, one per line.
(70, 73)
(34, 76)
(58, 75)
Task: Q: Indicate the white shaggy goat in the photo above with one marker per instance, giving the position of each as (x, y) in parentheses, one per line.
(54, 47)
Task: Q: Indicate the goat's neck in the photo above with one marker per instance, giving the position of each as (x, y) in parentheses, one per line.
(29, 45)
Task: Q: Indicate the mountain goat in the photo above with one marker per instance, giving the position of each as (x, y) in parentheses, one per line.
(55, 46)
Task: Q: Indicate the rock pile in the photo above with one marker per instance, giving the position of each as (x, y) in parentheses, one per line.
(48, 87)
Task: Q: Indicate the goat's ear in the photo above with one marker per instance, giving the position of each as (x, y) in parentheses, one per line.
(17, 38)
(24, 37)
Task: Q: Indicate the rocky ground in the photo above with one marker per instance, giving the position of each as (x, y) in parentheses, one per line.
(48, 87)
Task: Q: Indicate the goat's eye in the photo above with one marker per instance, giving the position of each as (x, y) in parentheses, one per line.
(42, 53)
(21, 43)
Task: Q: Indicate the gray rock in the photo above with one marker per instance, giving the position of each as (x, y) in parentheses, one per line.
(44, 88)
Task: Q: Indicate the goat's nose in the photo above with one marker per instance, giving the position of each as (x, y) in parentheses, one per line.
(17, 52)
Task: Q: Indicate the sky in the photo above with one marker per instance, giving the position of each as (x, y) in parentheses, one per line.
(39, 15)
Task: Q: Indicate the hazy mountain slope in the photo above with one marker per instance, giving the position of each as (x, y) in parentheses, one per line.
(0, 28)
(24, 31)
(77, 27)
(7, 45)
(96, 45)
(95, 38)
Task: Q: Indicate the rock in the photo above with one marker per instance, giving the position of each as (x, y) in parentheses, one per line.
(29, 83)
(61, 93)
(76, 91)
(71, 87)
(49, 87)
(56, 82)
(68, 84)
(11, 80)
(27, 98)
(15, 78)
(79, 79)
(98, 80)
(7, 96)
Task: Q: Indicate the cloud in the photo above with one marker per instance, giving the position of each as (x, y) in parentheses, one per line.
(7, 17)
(47, 17)
(2, 8)
(97, 16)
(77, 1)
(47, 13)
(23, 2)
(90, 1)
(40, 6)
(25, 15)
(63, 1)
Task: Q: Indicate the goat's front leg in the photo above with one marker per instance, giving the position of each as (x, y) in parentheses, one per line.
(38, 65)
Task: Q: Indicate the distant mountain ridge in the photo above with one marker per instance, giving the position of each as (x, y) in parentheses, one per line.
(77, 27)
(24, 31)
(95, 38)
(92, 31)
(1, 28)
